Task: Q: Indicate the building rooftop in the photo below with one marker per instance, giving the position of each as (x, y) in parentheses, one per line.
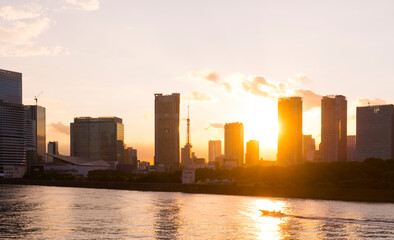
(91, 119)
(290, 98)
(80, 161)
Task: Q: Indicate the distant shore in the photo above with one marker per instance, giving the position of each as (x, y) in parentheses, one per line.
(322, 193)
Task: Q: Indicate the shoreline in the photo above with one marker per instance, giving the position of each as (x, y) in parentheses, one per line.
(322, 193)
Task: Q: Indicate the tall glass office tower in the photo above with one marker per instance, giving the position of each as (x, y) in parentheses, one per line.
(10, 87)
(12, 119)
(234, 142)
(35, 134)
(333, 145)
(167, 131)
(375, 132)
(290, 131)
(98, 138)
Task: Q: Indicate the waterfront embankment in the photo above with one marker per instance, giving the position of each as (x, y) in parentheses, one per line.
(323, 193)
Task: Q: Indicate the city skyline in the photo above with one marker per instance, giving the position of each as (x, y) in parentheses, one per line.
(120, 68)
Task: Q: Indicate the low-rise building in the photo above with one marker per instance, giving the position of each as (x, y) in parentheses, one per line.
(188, 176)
(75, 165)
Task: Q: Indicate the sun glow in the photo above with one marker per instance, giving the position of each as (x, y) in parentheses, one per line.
(261, 123)
(269, 227)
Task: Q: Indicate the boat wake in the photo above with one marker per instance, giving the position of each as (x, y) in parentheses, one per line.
(279, 214)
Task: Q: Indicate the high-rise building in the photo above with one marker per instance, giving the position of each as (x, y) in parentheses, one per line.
(333, 128)
(308, 148)
(214, 150)
(35, 134)
(351, 148)
(12, 121)
(10, 87)
(98, 138)
(252, 156)
(375, 132)
(167, 131)
(53, 149)
(290, 131)
(132, 158)
(234, 142)
(186, 151)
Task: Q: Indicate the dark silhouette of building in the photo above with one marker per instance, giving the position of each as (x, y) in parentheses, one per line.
(333, 128)
(308, 148)
(234, 142)
(98, 138)
(290, 131)
(167, 131)
(131, 158)
(351, 148)
(53, 149)
(35, 126)
(252, 156)
(12, 122)
(375, 132)
(10, 87)
(214, 150)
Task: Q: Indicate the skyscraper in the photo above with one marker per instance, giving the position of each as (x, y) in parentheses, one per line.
(308, 148)
(98, 138)
(132, 158)
(333, 128)
(290, 131)
(12, 120)
(167, 131)
(53, 149)
(10, 87)
(375, 132)
(214, 150)
(234, 142)
(35, 134)
(351, 148)
(252, 153)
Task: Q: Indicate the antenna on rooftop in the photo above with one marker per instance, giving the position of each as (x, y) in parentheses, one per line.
(36, 97)
(188, 127)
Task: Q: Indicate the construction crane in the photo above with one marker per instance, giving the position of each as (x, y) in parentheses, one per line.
(36, 97)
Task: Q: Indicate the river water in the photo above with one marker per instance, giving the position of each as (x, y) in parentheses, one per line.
(40, 212)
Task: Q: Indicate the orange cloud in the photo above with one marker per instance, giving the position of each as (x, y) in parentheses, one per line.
(254, 86)
(206, 74)
(214, 125)
(198, 97)
(59, 127)
(310, 99)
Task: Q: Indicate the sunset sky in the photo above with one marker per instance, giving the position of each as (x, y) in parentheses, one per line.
(230, 60)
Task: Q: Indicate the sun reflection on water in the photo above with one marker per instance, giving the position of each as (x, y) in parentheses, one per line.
(269, 226)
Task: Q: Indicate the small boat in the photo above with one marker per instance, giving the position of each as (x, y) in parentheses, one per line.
(272, 213)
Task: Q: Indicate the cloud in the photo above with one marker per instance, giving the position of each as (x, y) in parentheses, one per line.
(86, 5)
(206, 74)
(227, 87)
(23, 32)
(369, 101)
(258, 85)
(214, 125)
(59, 127)
(198, 97)
(12, 51)
(9, 13)
(310, 99)
(21, 26)
(299, 79)
(254, 86)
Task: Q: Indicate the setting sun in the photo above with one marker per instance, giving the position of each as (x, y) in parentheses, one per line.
(261, 123)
